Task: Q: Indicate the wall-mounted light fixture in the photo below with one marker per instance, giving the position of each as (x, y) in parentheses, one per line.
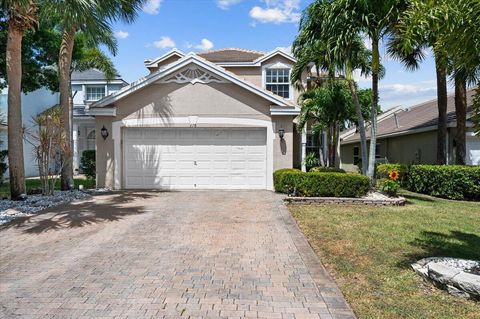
(104, 132)
(281, 133)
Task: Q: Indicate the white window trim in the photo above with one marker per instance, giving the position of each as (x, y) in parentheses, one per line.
(105, 87)
(278, 65)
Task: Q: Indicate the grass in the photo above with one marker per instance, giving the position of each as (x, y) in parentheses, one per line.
(34, 183)
(368, 250)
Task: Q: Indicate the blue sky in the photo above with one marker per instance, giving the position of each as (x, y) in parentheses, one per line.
(196, 25)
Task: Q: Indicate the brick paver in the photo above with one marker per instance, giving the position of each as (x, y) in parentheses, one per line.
(165, 255)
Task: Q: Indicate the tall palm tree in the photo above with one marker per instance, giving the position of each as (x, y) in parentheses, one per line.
(22, 16)
(315, 44)
(94, 19)
(373, 18)
(419, 27)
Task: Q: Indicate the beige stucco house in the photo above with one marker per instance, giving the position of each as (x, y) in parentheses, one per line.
(221, 119)
(409, 136)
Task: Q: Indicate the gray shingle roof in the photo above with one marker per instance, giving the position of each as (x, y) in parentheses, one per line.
(420, 116)
(90, 75)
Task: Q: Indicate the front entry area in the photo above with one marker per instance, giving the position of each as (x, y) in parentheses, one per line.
(194, 158)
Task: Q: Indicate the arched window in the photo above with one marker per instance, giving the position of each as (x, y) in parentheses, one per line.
(91, 140)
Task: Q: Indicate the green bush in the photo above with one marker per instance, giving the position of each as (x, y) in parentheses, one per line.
(87, 163)
(388, 186)
(448, 181)
(320, 184)
(321, 169)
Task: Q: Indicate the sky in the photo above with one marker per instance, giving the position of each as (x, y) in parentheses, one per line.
(198, 25)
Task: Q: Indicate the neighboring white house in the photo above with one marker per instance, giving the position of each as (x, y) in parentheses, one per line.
(87, 87)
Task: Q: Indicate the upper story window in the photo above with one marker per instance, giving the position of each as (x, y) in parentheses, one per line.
(277, 81)
(94, 93)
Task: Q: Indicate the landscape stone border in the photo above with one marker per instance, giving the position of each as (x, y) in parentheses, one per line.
(399, 201)
(451, 274)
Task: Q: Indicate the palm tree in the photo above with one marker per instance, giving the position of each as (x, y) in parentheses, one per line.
(314, 44)
(419, 27)
(373, 18)
(463, 27)
(94, 19)
(327, 107)
(22, 16)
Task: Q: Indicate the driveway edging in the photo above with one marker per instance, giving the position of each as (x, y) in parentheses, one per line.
(328, 289)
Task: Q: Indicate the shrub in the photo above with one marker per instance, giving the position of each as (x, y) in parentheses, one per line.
(311, 160)
(320, 184)
(388, 186)
(319, 169)
(87, 163)
(448, 181)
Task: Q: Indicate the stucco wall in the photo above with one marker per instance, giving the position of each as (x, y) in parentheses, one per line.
(180, 100)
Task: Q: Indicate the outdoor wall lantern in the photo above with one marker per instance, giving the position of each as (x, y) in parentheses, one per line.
(281, 133)
(104, 132)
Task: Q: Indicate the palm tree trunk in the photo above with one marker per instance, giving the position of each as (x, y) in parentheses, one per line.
(361, 126)
(461, 115)
(373, 112)
(320, 148)
(338, 159)
(442, 101)
(64, 63)
(15, 131)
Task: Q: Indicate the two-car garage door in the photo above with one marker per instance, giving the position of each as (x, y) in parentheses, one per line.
(195, 158)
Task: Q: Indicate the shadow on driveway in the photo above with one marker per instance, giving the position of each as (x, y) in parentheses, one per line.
(101, 208)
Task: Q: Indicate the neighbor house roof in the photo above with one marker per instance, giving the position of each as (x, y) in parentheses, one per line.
(92, 75)
(419, 118)
(231, 55)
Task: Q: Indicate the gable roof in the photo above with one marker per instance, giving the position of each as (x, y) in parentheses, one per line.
(92, 75)
(231, 55)
(154, 63)
(419, 118)
(209, 66)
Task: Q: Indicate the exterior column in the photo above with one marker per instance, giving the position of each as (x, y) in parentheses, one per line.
(304, 148)
(75, 148)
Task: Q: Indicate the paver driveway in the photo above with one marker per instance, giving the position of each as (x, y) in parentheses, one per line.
(164, 255)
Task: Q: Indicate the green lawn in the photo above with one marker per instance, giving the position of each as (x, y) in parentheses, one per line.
(368, 250)
(33, 183)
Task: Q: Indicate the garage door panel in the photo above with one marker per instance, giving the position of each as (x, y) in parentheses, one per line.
(174, 158)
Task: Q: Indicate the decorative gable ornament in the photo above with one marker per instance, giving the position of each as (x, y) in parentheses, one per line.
(193, 75)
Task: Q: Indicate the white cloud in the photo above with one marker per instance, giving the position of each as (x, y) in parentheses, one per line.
(226, 4)
(164, 43)
(121, 34)
(204, 45)
(152, 6)
(277, 11)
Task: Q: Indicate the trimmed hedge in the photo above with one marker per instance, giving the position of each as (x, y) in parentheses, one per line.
(318, 184)
(327, 170)
(447, 181)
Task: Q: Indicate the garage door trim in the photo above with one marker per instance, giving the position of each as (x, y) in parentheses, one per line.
(189, 121)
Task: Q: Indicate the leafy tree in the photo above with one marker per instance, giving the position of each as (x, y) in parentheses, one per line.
(21, 16)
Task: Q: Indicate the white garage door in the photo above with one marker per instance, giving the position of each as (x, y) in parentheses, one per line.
(473, 151)
(195, 158)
